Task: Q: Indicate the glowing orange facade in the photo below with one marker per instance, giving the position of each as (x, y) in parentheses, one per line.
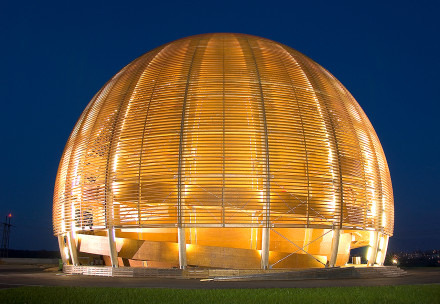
(223, 142)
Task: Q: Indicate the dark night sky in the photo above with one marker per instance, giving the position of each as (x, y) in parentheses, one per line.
(56, 55)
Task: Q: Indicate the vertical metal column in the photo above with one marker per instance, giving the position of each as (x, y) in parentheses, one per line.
(182, 247)
(112, 247)
(180, 183)
(373, 248)
(266, 220)
(62, 246)
(335, 247)
(72, 248)
(265, 248)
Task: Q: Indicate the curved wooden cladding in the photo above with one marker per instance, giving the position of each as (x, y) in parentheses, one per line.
(220, 130)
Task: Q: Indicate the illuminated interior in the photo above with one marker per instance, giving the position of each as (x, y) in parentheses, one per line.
(223, 150)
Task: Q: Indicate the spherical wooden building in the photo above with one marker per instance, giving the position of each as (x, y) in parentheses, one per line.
(225, 151)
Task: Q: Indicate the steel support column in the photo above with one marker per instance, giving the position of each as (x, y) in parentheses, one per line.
(72, 248)
(265, 248)
(112, 247)
(266, 196)
(180, 181)
(335, 247)
(182, 247)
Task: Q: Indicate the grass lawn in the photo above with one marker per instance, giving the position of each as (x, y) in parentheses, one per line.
(375, 295)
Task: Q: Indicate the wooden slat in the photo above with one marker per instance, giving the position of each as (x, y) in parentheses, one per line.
(223, 125)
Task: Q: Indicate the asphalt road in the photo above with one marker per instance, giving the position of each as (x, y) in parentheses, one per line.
(30, 275)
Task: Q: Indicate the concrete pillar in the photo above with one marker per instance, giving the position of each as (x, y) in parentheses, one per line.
(112, 247)
(265, 248)
(182, 247)
(335, 247)
(72, 248)
(62, 245)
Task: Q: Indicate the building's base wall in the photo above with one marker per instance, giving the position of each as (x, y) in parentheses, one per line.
(219, 247)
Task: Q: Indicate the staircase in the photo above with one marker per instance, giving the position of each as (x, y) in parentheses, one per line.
(323, 273)
(241, 274)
